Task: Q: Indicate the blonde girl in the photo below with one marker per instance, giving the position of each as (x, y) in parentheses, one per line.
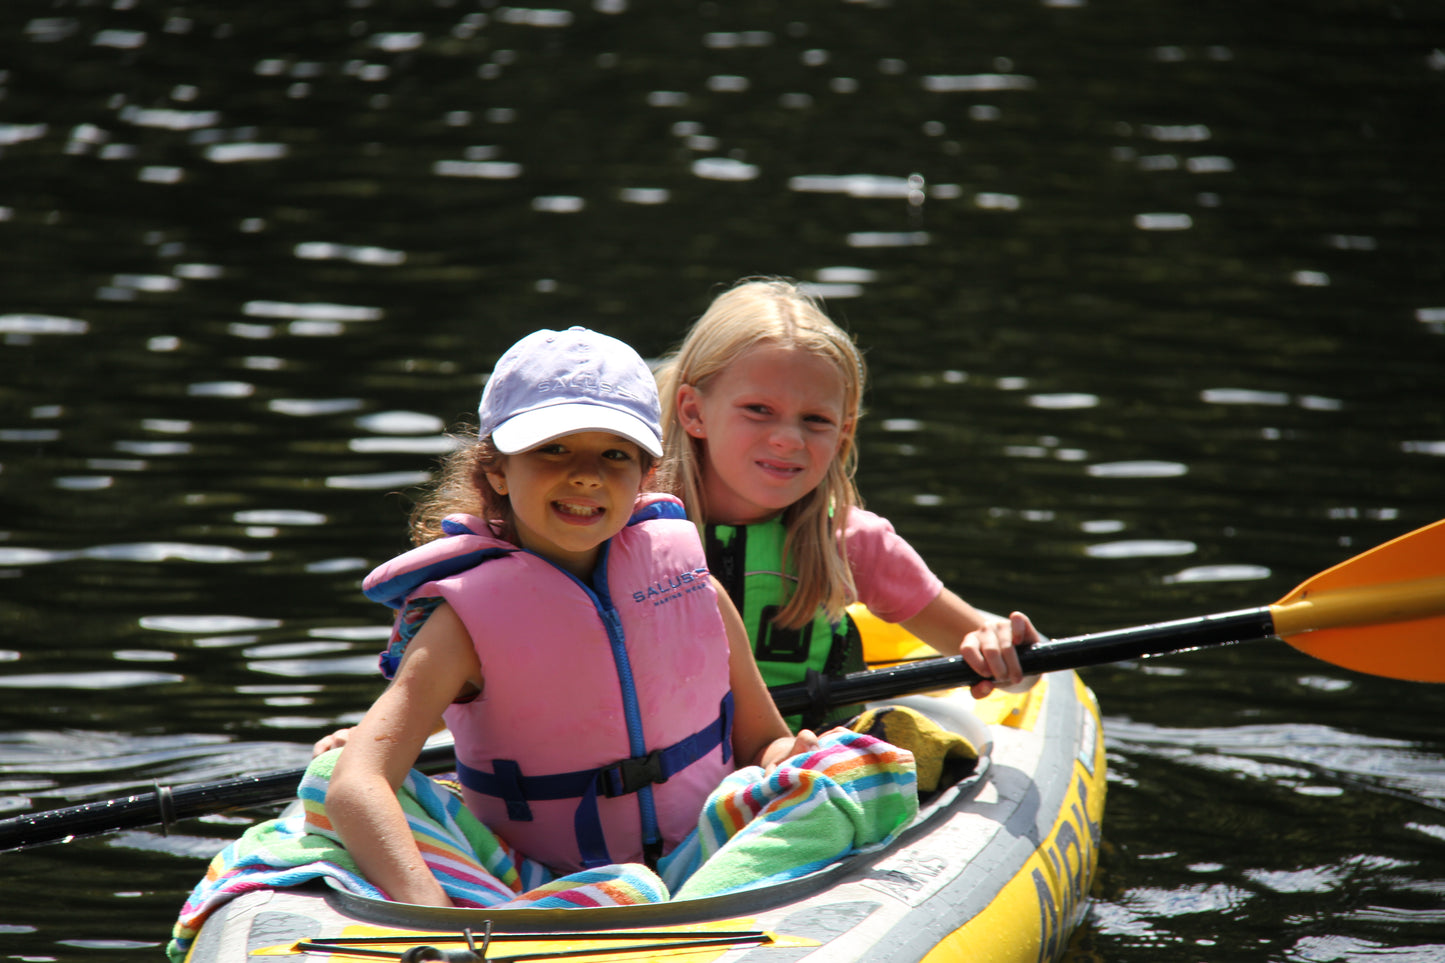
(760, 409)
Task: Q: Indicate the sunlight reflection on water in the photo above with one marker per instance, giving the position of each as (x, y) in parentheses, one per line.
(1128, 300)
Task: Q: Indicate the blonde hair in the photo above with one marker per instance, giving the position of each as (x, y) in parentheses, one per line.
(461, 487)
(773, 311)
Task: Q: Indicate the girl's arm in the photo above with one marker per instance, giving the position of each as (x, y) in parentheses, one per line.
(987, 644)
(361, 797)
(760, 736)
(337, 739)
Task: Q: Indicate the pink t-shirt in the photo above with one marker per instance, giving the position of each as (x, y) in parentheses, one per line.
(892, 578)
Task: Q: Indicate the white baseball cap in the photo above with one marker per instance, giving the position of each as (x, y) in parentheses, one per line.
(555, 383)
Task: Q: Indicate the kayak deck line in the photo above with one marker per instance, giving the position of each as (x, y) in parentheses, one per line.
(518, 937)
(418, 947)
(421, 952)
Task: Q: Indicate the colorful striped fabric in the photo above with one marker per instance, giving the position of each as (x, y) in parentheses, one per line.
(853, 793)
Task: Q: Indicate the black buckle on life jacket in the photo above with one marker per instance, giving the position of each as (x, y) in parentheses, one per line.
(630, 775)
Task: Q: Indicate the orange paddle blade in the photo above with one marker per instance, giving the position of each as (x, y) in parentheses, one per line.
(1381, 612)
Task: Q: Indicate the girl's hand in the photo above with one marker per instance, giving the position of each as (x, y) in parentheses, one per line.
(986, 642)
(787, 747)
(334, 741)
(992, 650)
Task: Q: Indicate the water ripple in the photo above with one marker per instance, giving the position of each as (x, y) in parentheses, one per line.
(278, 650)
(1138, 469)
(1219, 573)
(853, 185)
(430, 445)
(206, 624)
(169, 118)
(356, 254)
(240, 153)
(970, 83)
(648, 196)
(135, 552)
(1337, 949)
(166, 551)
(278, 516)
(1141, 548)
(724, 169)
(379, 480)
(313, 407)
(28, 324)
(357, 665)
(1163, 222)
(484, 170)
(1243, 396)
(888, 239)
(311, 312)
(1298, 755)
(1064, 400)
(1185, 899)
(88, 680)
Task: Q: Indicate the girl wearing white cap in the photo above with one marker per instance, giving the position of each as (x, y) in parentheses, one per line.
(597, 682)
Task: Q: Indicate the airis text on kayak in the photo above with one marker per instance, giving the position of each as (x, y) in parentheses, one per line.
(673, 587)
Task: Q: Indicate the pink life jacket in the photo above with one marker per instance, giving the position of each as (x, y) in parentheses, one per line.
(602, 704)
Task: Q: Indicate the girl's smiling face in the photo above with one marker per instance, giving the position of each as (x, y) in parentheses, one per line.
(771, 422)
(570, 495)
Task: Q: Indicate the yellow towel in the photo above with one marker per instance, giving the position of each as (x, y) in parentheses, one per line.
(943, 757)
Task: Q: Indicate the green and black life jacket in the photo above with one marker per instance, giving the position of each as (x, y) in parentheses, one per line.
(748, 561)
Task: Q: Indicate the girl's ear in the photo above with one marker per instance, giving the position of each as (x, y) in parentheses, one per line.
(498, 482)
(846, 439)
(689, 411)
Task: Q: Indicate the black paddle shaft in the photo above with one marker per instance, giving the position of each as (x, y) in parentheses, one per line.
(1078, 652)
(167, 805)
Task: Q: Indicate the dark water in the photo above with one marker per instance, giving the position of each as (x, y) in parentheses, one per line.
(1153, 295)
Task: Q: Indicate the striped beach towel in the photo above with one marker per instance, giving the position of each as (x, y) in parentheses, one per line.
(853, 793)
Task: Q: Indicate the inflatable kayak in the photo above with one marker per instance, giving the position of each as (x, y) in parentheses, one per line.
(996, 868)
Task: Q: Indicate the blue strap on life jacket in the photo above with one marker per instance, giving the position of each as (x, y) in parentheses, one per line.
(395, 590)
(622, 662)
(658, 509)
(506, 781)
